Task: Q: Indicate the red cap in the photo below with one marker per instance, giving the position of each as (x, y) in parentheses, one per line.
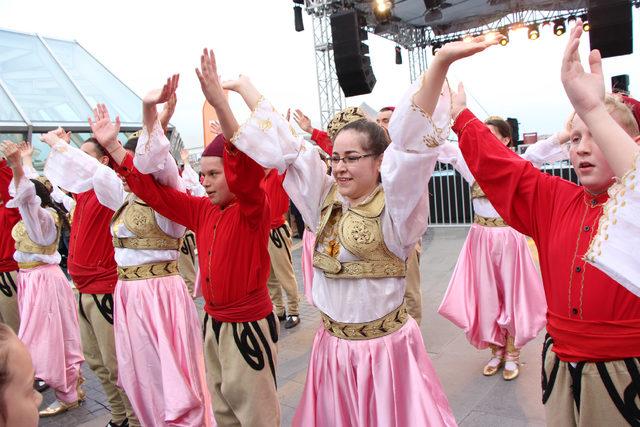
(215, 148)
(634, 104)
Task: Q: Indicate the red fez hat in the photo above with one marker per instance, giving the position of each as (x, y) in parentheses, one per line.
(634, 105)
(215, 148)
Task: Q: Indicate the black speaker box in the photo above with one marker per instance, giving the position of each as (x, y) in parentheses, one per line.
(611, 29)
(350, 54)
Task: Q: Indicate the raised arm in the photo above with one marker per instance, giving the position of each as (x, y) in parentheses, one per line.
(153, 152)
(320, 137)
(269, 139)
(549, 150)
(586, 93)
(190, 176)
(39, 223)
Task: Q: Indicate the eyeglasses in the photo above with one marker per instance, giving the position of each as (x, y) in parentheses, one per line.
(349, 160)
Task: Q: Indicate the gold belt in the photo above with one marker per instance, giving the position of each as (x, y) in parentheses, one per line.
(33, 264)
(335, 269)
(367, 330)
(489, 222)
(148, 271)
(153, 243)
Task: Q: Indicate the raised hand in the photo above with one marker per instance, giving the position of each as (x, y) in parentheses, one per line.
(288, 116)
(209, 79)
(167, 111)
(184, 156)
(238, 84)
(164, 94)
(65, 136)
(214, 127)
(302, 121)
(52, 137)
(454, 51)
(104, 130)
(458, 100)
(585, 90)
(12, 153)
(26, 150)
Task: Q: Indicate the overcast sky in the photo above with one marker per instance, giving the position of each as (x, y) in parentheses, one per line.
(143, 42)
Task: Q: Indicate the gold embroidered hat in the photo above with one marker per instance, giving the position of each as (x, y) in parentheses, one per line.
(343, 118)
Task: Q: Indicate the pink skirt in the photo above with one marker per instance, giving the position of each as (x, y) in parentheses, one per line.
(160, 352)
(495, 289)
(49, 328)
(387, 381)
(308, 245)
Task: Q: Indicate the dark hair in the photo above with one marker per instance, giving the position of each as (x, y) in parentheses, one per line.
(47, 202)
(383, 109)
(504, 129)
(5, 375)
(376, 136)
(131, 144)
(99, 148)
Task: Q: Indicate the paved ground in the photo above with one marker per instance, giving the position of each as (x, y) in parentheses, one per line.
(476, 400)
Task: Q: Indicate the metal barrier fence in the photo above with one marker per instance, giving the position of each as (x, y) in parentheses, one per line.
(450, 195)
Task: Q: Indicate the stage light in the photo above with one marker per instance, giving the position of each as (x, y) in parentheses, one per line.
(571, 19)
(546, 24)
(504, 33)
(398, 55)
(585, 22)
(297, 15)
(533, 32)
(382, 9)
(559, 27)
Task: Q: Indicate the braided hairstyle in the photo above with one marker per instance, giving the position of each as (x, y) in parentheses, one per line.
(47, 202)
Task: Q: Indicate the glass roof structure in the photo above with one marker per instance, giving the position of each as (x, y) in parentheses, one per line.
(47, 82)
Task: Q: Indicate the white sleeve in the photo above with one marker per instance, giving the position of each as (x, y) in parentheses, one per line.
(269, 140)
(71, 168)
(58, 196)
(450, 154)
(109, 189)
(546, 151)
(192, 181)
(153, 156)
(30, 172)
(40, 225)
(407, 166)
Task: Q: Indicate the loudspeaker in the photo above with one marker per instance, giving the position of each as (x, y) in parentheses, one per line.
(515, 130)
(350, 54)
(611, 27)
(620, 84)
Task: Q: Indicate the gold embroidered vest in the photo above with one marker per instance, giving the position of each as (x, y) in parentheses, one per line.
(476, 191)
(140, 220)
(26, 245)
(359, 231)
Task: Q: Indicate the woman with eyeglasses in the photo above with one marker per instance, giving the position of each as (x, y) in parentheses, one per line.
(369, 365)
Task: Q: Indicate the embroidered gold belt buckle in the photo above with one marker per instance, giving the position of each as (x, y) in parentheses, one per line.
(367, 330)
(27, 265)
(148, 271)
(489, 222)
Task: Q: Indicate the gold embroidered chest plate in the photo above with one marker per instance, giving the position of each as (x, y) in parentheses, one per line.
(140, 220)
(359, 231)
(476, 191)
(26, 245)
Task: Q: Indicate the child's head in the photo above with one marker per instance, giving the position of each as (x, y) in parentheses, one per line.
(590, 165)
(501, 129)
(19, 401)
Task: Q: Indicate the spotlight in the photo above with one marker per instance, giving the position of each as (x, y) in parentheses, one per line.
(585, 22)
(534, 32)
(558, 27)
(398, 55)
(382, 9)
(572, 18)
(504, 32)
(546, 24)
(297, 15)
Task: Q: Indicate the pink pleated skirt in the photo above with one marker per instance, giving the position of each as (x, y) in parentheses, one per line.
(387, 381)
(49, 328)
(495, 289)
(308, 245)
(160, 352)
